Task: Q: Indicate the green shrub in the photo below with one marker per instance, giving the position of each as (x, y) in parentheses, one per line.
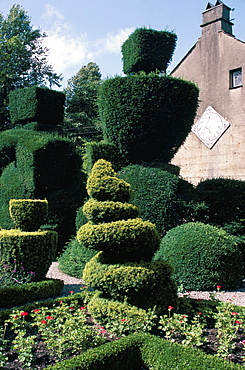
(202, 257)
(74, 258)
(28, 214)
(162, 197)
(45, 167)
(148, 50)
(17, 295)
(127, 240)
(107, 211)
(225, 199)
(147, 117)
(142, 284)
(108, 188)
(35, 250)
(38, 104)
(101, 150)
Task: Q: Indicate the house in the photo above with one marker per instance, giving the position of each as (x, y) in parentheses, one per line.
(216, 63)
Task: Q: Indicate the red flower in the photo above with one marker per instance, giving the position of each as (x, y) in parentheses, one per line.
(71, 291)
(238, 322)
(124, 320)
(71, 308)
(199, 313)
(82, 308)
(43, 322)
(49, 318)
(36, 310)
(218, 287)
(60, 302)
(170, 308)
(184, 316)
(24, 313)
(234, 313)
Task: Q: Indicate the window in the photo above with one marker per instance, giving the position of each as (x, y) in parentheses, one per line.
(236, 78)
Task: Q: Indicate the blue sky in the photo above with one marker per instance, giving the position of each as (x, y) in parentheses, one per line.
(83, 31)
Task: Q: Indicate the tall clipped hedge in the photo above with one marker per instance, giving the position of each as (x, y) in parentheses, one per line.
(43, 166)
(36, 104)
(147, 117)
(163, 197)
(225, 199)
(148, 50)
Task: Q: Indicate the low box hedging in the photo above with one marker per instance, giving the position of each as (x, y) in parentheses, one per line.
(144, 350)
(20, 294)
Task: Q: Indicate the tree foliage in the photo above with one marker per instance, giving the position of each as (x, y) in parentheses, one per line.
(81, 96)
(23, 58)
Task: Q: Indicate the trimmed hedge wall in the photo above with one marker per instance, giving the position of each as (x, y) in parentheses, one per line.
(139, 350)
(17, 295)
(148, 50)
(45, 166)
(147, 117)
(36, 104)
(202, 257)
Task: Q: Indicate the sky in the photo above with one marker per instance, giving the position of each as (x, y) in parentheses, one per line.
(83, 31)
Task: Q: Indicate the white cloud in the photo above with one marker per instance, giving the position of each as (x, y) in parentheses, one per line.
(68, 51)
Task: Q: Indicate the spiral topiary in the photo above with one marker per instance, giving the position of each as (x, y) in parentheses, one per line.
(122, 269)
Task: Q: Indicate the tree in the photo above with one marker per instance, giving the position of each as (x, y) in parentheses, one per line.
(23, 58)
(81, 97)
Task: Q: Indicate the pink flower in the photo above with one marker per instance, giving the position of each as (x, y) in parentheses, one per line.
(82, 308)
(102, 331)
(170, 308)
(43, 322)
(24, 313)
(184, 316)
(60, 302)
(234, 313)
(199, 313)
(49, 318)
(36, 310)
(218, 287)
(71, 291)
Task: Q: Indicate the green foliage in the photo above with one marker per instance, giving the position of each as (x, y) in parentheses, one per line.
(147, 117)
(162, 197)
(74, 258)
(143, 350)
(202, 257)
(148, 50)
(109, 312)
(44, 166)
(81, 97)
(225, 199)
(35, 104)
(101, 150)
(107, 211)
(28, 214)
(23, 58)
(103, 184)
(123, 240)
(34, 250)
(142, 284)
(17, 295)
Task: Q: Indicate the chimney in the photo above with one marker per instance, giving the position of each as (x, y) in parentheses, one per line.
(216, 18)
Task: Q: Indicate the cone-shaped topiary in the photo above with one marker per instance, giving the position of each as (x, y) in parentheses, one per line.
(122, 269)
(202, 256)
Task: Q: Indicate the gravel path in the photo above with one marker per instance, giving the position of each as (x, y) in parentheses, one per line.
(74, 284)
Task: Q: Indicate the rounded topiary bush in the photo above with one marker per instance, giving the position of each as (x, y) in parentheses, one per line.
(28, 214)
(202, 257)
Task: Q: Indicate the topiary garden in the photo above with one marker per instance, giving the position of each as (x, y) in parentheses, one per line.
(142, 232)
